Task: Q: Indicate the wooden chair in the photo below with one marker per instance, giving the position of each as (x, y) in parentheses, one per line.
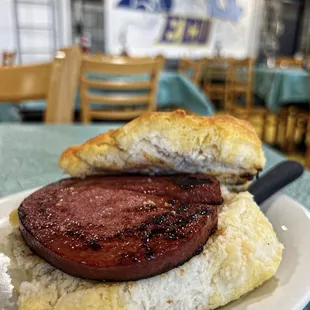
(29, 82)
(215, 78)
(287, 62)
(308, 131)
(49, 81)
(239, 83)
(192, 69)
(298, 127)
(62, 109)
(308, 145)
(8, 58)
(287, 120)
(130, 97)
(239, 93)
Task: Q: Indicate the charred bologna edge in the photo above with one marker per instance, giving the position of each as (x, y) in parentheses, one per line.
(121, 228)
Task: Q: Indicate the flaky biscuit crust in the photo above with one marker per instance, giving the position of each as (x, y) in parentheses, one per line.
(173, 142)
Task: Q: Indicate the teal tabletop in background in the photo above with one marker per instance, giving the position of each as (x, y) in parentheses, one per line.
(29, 157)
(174, 89)
(9, 113)
(177, 89)
(278, 87)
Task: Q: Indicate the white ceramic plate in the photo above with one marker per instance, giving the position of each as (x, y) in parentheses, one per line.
(290, 288)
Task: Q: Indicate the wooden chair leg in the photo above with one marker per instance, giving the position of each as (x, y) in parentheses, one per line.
(301, 128)
(84, 112)
(264, 125)
(308, 144)
(227, 101)
(276, 129)
(249, 100)
(308, 158)
(270, 127)
(291, 129)
(281, 129)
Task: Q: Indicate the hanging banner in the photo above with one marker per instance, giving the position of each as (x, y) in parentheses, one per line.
(178, 28)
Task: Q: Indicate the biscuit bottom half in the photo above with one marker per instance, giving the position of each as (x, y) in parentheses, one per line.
(242, 254)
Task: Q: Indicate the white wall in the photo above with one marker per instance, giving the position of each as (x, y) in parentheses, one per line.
(141, 31)
(65, 22)
(39, 40)
(7, 35)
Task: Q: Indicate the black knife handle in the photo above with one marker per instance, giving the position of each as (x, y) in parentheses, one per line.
(272, 181)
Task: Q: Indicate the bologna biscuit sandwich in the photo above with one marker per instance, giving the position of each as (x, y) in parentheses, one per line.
(146, 221)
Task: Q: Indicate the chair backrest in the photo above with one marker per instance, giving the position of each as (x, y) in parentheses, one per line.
(56, 82)
(8, 58)
(20, 83)
(240, 72)
(215, 70)
(192, 69)
(240, 81)
(123, 87)
(63, 86)
(288, 62)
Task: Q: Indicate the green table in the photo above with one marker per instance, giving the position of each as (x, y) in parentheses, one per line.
(29, 156)
(278, 87)
(174, 89)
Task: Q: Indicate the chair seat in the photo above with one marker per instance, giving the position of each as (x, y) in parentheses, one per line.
(237, 89)
(215, 88)
(256, 109)
(239, 107)
(215, 91)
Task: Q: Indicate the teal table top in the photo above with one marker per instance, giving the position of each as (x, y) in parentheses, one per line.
(9, 113)
(29, 156)
(173, 89)
(278, 87)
